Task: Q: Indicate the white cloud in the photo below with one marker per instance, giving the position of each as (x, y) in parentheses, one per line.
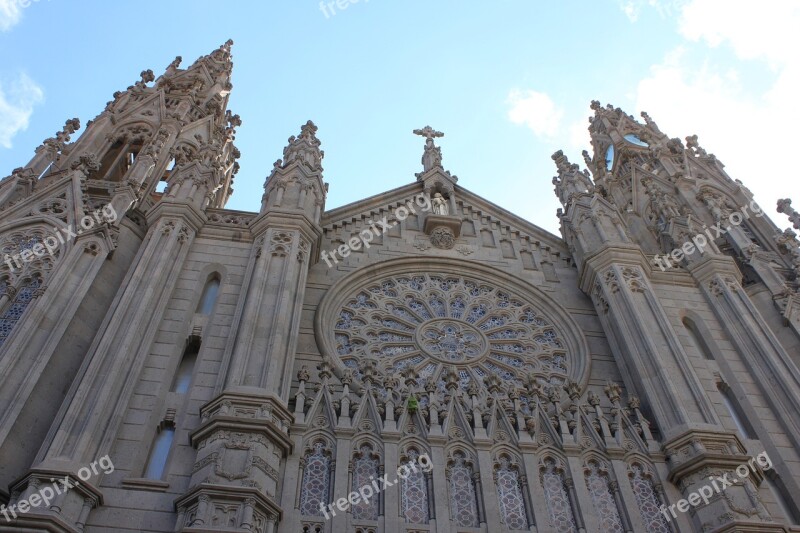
(536, 110)
(754, 30)
(18, 97)
(750, 129)
(10, 14)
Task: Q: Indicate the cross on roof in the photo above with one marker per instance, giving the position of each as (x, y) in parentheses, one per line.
(428, 132)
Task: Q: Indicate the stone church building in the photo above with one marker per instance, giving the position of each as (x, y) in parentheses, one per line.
(234, 371)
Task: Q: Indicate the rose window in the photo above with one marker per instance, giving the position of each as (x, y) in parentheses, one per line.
(433, 322)
(450, 340)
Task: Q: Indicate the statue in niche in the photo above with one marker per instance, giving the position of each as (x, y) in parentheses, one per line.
(439, 204)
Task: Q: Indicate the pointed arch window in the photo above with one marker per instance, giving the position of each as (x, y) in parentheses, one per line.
(741, 422)
(697, 338)
(463, 501)
(183, 376)
(647, 500)
(610, 157)
(316, 486)
(365, 471)
(414, 493)
(209, 297)
(510, 495)
(10, 317)
(118, 159)
(559, 507)
(605, 505)
(159, 453)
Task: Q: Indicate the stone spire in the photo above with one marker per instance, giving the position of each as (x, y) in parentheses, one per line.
(571, 181)
(304, 148)
(296, 183)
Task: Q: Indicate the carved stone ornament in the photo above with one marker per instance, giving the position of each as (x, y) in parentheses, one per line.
(442, 237)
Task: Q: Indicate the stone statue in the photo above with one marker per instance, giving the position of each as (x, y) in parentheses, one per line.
(439, 204)
(432, 157)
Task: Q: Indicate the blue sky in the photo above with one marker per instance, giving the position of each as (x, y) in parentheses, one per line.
(508, 81)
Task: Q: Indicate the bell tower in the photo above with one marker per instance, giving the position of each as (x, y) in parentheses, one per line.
(174, 129)
(651, 198)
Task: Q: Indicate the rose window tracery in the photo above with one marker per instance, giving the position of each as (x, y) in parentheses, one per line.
(435, 322)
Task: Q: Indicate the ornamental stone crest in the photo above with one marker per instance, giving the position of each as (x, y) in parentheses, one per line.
(442, 237)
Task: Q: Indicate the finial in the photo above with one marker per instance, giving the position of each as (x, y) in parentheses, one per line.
(304, 148)
(785, 206)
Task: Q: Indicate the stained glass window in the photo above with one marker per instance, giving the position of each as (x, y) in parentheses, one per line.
(316, 481)
(647, 500)
(463, 503)
(414, 494)
(603, 501)
(365, 470)
(559, 508)
(14, 312)
(509, 493)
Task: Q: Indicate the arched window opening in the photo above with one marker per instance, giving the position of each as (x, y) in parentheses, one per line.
(157, 462)
(559, 508)
(117, 160)
(183, 376)
(11, 316)
(509, 494)
(603, 501)
(646, 499)
(634, 139)
(209, 297)
(463, 501)
(414, 493)
(316, 486)
(732, 404)
(697, 339)
(365, 470)
(610, 157)
(163, 183)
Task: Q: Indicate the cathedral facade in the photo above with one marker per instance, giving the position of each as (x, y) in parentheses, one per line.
(418, 361)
